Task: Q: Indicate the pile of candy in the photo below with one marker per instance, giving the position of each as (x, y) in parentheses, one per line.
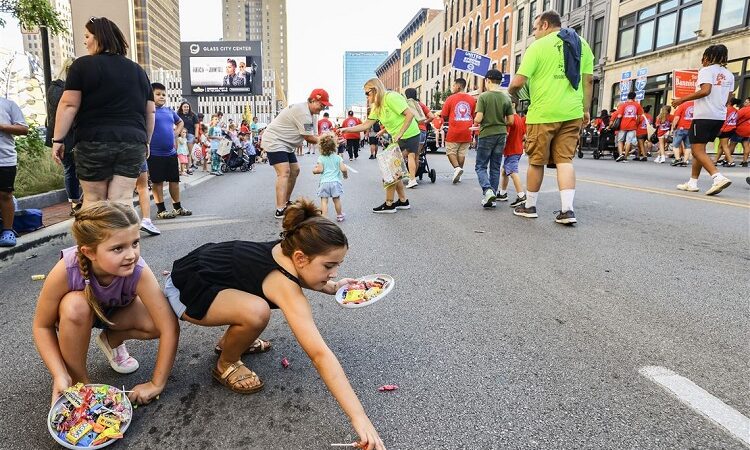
(363, 291)
(90, 415)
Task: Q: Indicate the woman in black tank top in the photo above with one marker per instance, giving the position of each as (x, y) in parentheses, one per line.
(237, 284)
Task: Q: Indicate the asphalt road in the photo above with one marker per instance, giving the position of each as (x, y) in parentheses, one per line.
(502, 332)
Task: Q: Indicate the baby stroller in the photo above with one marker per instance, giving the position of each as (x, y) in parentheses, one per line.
(424, 168)
(234, 160)
(606, 143)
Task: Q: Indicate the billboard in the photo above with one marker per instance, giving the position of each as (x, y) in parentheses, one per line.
(221, 68)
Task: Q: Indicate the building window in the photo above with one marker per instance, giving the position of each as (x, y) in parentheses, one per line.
(418, 47)
(506, 29)
(562, 7)
(532, 11)
(416, 71)
(494, 36)
(519, 25)
(658, 26)
(578, 28)
(450, 53)
(497, 6)
(476, 39)
(731, 14)
(405, 79)
(486, 40)
(598, 37)
(464, 12)
(518, 62)
(471, 33)
(438, 41)
(504, 65)
(406, 56)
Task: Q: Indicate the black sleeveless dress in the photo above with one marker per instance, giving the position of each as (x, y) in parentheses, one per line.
(213, 267)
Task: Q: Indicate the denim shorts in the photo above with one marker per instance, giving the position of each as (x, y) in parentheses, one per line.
(510, 165)
(422, 137)
(173, 295)
(626, 136)
(681, 136)
(331, 189)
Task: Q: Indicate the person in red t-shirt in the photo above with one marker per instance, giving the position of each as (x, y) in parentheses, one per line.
(681, 121)
(437, 125)
(352, 139)
(742, 131)
(629, 112)
(511, 155)
(726, 133)
(458, 111)
(324, 126)
(663, 125)
(641, 135)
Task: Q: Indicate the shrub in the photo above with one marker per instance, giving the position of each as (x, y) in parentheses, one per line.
(37, 172)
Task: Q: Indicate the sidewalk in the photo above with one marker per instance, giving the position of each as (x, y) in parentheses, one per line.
(57, 221)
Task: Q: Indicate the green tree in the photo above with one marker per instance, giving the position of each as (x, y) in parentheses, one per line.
(32, 14)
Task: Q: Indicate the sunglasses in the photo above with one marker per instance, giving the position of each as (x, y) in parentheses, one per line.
(93, 18)
(368, 92)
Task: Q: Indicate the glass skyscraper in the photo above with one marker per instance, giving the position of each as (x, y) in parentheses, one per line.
(358, 68)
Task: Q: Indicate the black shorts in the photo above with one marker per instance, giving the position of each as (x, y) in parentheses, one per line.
(7, 178)
(703, 131)
(726, 134)
(281, 157)
(372, 140)
(100, 161)
(163, 168)
(410, 145)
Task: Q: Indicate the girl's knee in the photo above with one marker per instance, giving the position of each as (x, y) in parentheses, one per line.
(256, 315)
(75, 309)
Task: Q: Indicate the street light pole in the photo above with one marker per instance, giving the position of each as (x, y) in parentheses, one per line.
(46, 67)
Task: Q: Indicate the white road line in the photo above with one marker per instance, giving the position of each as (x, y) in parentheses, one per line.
(701, 401)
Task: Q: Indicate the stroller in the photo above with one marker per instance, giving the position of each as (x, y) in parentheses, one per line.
(234, 160)
(604, 142)
(423, 168)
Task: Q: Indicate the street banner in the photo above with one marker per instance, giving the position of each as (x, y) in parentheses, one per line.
(683, 82)
(471, 62)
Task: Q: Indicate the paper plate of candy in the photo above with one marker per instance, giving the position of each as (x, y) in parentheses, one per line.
(366, 291)
(89, 416)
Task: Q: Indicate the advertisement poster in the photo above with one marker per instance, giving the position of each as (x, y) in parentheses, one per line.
(217, 68)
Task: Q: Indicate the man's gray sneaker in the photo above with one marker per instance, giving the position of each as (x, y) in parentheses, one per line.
(565, 217)
(523, 211)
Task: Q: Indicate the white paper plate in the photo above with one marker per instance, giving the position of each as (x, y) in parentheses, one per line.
(66, 444)
(389, 284)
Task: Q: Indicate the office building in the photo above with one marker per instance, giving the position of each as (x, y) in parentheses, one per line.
(412, 39)
(358, 68)
(151, 28)
(265, 21)
(60, 45)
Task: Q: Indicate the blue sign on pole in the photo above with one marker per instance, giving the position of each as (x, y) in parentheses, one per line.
(506, 80)
(640, 84)
(640, 95)
(471, 62)
(642, 72)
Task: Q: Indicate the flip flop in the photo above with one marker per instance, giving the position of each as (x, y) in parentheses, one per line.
(258, 346)
(230, 382)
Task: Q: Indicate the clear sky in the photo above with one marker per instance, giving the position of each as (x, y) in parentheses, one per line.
(319, 34)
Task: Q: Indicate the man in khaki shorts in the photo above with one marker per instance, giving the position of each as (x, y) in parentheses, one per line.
(458, 111)
(559, 68)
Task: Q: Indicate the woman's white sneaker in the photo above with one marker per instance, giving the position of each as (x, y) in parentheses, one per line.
(119, 358)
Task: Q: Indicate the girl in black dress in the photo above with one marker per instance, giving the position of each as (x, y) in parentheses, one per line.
(237, 283)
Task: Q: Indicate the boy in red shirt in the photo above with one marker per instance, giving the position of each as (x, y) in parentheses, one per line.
(681, 121)
(727, 133)
(629, 112)
(641, 135)
(458, 111)
(352, 139)
(511, 155)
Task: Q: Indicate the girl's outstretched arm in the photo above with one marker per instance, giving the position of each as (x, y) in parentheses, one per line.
(298, 313)
(166, 322)
(44, 328)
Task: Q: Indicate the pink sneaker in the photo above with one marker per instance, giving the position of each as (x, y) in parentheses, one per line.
(119, 358)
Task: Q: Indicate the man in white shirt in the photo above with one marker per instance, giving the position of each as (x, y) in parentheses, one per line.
(714, 89)
(293, 126)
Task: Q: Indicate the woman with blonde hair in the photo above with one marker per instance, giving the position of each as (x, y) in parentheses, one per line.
(393, 113)
(54, 93)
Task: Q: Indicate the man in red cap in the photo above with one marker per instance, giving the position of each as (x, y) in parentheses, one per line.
(293, 126)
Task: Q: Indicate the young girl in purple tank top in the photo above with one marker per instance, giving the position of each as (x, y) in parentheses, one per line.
(103, 282)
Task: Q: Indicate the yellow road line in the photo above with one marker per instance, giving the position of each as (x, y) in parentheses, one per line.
(696, 196)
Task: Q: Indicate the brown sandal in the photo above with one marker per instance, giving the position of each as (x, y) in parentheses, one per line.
(232, 383)
(259, 346)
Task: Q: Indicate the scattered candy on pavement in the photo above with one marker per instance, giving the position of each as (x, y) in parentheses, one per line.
(38, 277)
(388, 387)
(285, 363)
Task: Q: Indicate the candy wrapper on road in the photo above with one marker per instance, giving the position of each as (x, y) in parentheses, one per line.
(89, 416)
(392, 165)
(388, 387)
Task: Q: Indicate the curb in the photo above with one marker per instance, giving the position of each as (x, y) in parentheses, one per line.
(43, 200)
(61, 230)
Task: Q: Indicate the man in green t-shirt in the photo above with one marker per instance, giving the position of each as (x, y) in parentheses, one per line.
(494, 113)
(559, 69)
